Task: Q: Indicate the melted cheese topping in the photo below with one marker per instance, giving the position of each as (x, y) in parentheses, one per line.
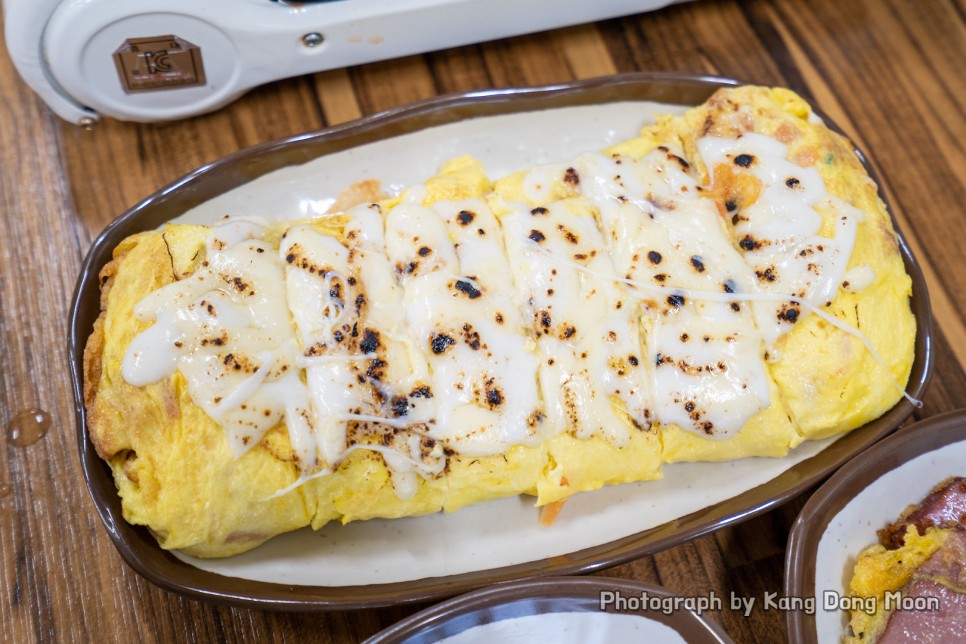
(456, 306)
(356, 372)
(779, 233)
(437, 329)
(707, 355)
(227, 329)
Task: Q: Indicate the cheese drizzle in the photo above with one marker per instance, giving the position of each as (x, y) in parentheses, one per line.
(411, 339)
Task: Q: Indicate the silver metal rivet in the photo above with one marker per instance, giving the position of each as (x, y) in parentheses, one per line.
(313, 39)
(87, 123)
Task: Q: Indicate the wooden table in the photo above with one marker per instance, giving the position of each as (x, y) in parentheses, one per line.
(890, 72)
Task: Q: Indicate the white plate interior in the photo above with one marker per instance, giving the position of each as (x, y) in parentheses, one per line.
(504, 143)
(569, 628)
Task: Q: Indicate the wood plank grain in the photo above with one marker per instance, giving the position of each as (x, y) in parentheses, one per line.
(383, 85)
(459, 70)
(40, 251)
(337, 97)
(585, 51)
(525, 61)
(713, 38)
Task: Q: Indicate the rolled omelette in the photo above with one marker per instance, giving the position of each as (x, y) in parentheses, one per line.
(728, 284)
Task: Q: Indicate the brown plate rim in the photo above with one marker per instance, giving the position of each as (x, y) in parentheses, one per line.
(824, 505)
(139, 549)
(541, 596)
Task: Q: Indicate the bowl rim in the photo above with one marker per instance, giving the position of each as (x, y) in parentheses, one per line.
(543, 595)
(825, 504)
(139, 549)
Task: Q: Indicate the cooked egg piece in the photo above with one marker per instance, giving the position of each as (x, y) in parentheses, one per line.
(828, 376)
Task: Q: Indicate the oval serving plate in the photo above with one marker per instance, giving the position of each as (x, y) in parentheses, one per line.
(840, 520)
(139, 549)
(559, 609)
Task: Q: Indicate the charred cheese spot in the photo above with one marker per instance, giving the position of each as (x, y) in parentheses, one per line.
(767, 275)
(370, 341)
(788, 313)
(744, 160)
(543, 317)
(494, 397)
(423, 391)
(749, 243)
(467, 289)
(471, 337)
(568, 234)
(571, 177)
(440, 342)
(399, 406)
